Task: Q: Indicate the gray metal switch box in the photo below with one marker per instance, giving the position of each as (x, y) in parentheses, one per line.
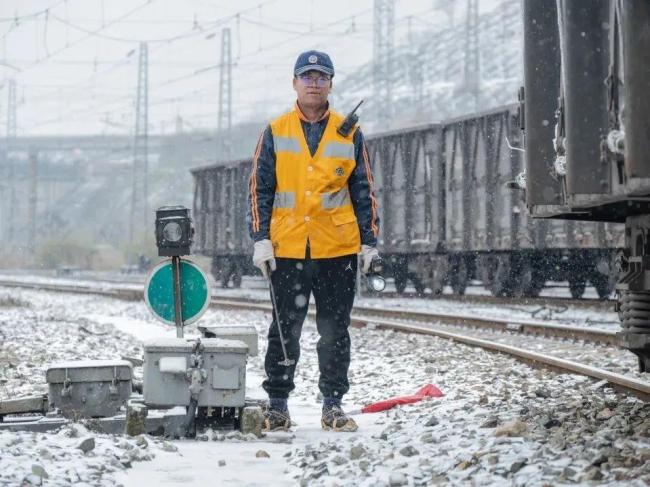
(89, 388)
(167, 366)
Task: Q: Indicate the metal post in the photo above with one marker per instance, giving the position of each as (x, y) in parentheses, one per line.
(12, 177)
(178, 318)
(383, 45)
(225, 98)
(140, 189)
(33, 192)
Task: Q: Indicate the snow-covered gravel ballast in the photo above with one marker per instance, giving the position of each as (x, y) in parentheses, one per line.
(500, 421)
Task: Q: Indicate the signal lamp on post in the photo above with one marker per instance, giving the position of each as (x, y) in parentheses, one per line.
(174, 231)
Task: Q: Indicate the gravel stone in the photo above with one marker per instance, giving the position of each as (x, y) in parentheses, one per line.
(433, 421)
(357, 452)
(516, 466)
(339, 460)
(409, 451)
(169, 447)
(39, 471)
(427, 438)
(490, 423)
(593, 473)
(87, 444)
(396, 479)
(141, 441)
(262, 454)
(513, 428)
(543, 393)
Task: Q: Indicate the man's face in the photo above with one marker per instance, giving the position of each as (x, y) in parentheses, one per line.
(312, 88)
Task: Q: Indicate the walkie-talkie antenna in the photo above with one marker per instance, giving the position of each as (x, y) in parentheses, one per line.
(349, 122)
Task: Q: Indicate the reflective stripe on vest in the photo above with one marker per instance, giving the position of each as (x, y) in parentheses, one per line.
(336, 199)
(284, 199)
(338, 149)
(286, 144)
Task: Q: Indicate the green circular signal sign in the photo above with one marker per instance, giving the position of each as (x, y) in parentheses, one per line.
(159, 292)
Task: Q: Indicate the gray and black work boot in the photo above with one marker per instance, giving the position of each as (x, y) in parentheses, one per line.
(276, 420)
(335, 419)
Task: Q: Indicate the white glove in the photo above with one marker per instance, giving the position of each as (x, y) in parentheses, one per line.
(367, 254)
(263, 257)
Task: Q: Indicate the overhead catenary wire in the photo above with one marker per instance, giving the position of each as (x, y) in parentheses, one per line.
(318, 31)
(82, 39)
(215, 24)
(198, 72)
(20, 18)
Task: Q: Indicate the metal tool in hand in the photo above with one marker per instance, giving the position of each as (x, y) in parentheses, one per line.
(286, 362)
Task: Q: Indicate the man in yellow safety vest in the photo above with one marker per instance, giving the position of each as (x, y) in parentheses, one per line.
(311, 210)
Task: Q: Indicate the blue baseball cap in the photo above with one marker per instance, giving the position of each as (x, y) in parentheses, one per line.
(313, 61)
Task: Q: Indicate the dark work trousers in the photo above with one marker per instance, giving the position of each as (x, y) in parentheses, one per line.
(333, 283)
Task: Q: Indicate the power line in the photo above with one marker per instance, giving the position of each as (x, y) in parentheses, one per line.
(213, 67)
(82, 39)
(216, 23)
(187, 33)
(20, 18)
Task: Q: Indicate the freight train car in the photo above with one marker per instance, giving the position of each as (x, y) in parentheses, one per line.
(587, 114)
(449, 214)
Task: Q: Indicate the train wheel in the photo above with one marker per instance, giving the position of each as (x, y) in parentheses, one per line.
(501, 284)
(400, 283)
(225, 279)
(216, 269)
(577, 286)
(419, 287)
(437, 283)
(529, 282)
(604, 284)
(604, 276)
(237, 277)
(459, 277)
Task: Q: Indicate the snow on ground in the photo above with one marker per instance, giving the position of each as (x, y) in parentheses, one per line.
(500, 421)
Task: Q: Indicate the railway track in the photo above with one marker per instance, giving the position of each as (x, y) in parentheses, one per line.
(593, 303)
(486, 333)
(475, 294)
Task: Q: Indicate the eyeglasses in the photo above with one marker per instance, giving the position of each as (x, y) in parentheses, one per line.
(320, 81)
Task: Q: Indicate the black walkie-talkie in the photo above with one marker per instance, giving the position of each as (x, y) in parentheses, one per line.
(349, 122)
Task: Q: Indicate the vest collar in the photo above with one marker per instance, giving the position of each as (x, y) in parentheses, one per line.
(302, 117)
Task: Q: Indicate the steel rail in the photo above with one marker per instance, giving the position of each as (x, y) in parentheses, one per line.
(631, 385)
(526, 327)
(626, 384)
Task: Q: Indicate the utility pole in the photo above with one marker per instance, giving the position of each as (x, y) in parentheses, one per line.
(33, 199)
(471, 68)
(139, 208)
(224, 123)
(383, 39)
(12, 179)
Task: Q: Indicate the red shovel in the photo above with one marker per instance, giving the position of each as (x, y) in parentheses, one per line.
(427, 391)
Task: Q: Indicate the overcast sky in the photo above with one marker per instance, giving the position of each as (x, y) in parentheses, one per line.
(76, 65)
